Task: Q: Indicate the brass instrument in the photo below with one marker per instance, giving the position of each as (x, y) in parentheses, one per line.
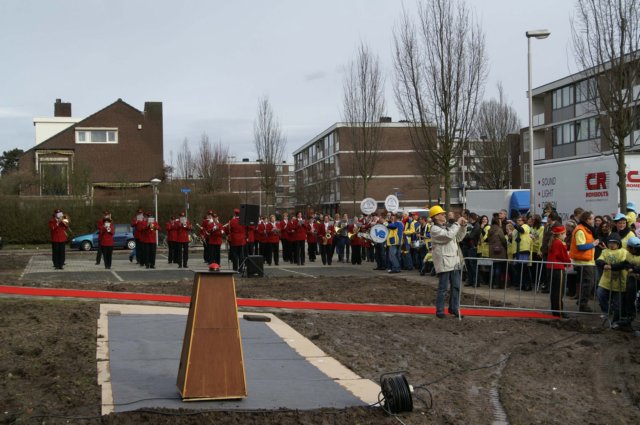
(325, 238)
(65, 219)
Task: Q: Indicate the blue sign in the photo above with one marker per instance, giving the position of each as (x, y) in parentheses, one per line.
(185, 190)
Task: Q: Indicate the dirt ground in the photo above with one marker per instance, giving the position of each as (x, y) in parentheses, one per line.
(476, 371)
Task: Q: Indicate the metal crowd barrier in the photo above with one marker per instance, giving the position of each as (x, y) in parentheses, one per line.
(514, 294)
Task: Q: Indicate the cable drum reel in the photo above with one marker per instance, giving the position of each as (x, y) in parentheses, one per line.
(396, 393)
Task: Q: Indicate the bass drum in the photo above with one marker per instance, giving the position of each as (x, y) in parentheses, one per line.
(379, 233)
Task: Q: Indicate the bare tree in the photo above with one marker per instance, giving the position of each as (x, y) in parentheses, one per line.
(185, 166)
(270, 145)
(606, 38)
(440, 69)
(211, 164)
(496, 119)
(363, 107)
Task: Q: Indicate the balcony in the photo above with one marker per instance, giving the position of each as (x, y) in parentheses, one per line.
(538, 120)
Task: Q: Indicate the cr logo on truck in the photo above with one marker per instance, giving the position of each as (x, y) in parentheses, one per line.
(633, 176)
(597, 181)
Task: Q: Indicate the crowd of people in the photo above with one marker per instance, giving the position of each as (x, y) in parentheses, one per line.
(582, 257)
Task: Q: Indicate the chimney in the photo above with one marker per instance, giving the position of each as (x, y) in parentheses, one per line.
(61, 109)
(385, 119)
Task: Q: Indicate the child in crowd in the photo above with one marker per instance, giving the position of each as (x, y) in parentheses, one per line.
(557, 262)
(613, 280)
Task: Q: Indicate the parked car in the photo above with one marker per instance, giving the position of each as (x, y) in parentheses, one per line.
(123, 238)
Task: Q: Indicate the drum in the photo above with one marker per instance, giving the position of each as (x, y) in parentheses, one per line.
(379, 233)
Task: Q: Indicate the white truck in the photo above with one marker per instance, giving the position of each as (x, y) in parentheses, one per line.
(589, 183)
(486, 202)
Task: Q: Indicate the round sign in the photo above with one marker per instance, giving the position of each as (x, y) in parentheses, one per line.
(379, 233)
(391, 203)
(368, 206)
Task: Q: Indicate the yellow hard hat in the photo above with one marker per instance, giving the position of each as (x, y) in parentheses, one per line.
(433, 211)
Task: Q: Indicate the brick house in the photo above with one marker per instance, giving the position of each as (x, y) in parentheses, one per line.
(116, 147)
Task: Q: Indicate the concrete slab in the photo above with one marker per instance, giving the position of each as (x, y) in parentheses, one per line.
(139, 352)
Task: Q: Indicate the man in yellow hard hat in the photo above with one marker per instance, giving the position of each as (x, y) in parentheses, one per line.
(446, 258)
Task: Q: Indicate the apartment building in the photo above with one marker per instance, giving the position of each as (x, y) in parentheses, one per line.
(327, 180)
(566, 124)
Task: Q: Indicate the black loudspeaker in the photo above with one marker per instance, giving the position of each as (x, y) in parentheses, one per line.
(254, 265)
(249, 214)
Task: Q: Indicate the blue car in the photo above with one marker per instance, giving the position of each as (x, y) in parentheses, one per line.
(123, 238)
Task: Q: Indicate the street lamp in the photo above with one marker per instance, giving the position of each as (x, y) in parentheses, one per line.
(155, 183)
(259, 173)
(539, 34)
(229, 170)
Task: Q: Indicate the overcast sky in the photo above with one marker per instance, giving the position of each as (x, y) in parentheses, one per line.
(210, 61)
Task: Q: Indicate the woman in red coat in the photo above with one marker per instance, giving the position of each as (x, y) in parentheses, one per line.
(105, 236)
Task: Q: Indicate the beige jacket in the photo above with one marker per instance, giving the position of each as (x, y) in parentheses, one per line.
(444, 247)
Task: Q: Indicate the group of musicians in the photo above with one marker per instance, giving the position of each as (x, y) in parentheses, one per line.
(302, 238)
(406, 238)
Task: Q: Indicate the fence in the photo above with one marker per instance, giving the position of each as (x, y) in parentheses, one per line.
(527, 285)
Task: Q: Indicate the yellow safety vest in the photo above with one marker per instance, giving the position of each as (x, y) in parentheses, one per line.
(613, 280)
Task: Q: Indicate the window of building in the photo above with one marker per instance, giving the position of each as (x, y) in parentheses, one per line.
(101, 135)
(586, 90)
(563, 134)
(587, 129)
(525, 173)
(563, 97)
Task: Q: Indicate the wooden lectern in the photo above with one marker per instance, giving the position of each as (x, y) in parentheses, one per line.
(211, 365)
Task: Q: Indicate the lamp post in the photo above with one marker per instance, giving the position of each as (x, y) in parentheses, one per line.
(229, 170)
(259, 173)
(155, 183)
(539, 34)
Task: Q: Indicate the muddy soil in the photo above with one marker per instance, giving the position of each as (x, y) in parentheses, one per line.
(474, 371)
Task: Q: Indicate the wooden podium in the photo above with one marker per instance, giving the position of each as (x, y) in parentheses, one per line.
(211, 365)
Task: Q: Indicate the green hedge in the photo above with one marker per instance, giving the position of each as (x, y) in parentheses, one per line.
(24, 220)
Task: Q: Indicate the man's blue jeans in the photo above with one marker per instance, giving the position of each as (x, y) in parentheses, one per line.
(394, 263)
(444, 279)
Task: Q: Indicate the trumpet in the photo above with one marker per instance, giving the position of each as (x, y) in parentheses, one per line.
(65, 219)
(325, 238)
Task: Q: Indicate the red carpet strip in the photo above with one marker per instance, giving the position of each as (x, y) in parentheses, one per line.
(249, 302)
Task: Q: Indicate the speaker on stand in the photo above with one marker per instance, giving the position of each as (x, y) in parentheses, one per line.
(249, 214)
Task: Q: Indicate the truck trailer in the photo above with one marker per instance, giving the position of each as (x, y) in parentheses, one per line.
(589, 183)
(486, 202)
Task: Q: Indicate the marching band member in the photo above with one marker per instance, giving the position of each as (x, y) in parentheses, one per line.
(394, 240)
(150, 240)
(105, 215)
(356, 243)
(408, 237)
(105, 238)
(182, 227)
(251, 240)
(261, 237)
(313, 229)
(327, 232)
(171, 239)
(297, 238)
(237, 240)
(284, 237)
(214, 234)
(141, 245)
(58, 227)
(272, 245)
(202, 233)
(136, 235)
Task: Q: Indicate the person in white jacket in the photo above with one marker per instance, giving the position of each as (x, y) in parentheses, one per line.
(447, 259)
